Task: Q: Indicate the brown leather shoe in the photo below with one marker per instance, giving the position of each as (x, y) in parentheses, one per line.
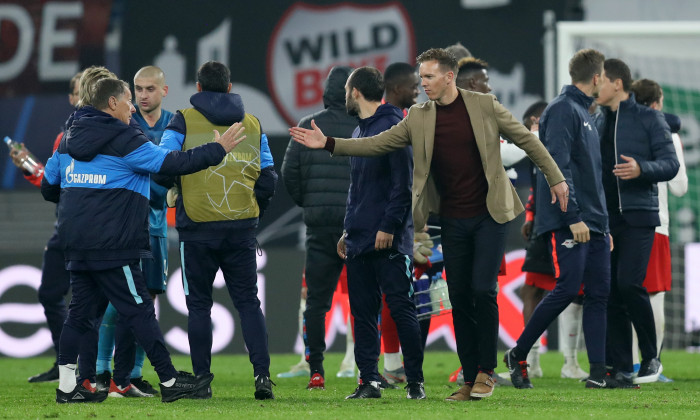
(483, 386)
(462, 394)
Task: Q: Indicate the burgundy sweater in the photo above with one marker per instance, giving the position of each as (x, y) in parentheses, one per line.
(456, 165)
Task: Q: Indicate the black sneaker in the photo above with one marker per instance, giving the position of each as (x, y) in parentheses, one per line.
(384, 384)
(141, 384)
(370, 390)
(649, 371)
(82, 393)
(517, 370)
(202, 394)
(103, 381)
(50, 375)
(415, 391)
(263, 388)
(608, 382)
(185, 385)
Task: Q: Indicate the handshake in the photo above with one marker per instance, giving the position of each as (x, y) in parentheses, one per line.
(421, 247)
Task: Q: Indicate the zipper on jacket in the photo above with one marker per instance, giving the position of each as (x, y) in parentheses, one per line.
(617, 179)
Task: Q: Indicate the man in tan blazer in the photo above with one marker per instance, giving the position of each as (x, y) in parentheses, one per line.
(459, 175)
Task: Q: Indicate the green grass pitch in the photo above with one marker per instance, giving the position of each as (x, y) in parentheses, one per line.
(552, 397)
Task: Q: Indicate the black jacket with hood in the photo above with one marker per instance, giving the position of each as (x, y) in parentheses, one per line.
(316, 181)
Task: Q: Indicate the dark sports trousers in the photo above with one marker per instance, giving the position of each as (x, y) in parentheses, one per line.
(370, 275)
(629, 300)
(575, 264)
(125, 288)
(322, 270)
(236, 258)
(55, 282)
(473, 249)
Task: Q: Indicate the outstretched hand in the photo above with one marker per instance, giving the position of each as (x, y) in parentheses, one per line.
(314, 138)
(231, 137)
(560, 192)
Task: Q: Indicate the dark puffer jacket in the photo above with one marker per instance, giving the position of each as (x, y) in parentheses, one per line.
(316, 181)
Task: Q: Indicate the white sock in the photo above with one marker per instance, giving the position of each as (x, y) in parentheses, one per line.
(635, 347)
(349, 359)
(66, 377)
(569, 331)
(302, 308)
(533, 357)
(657, 305)
(392, 361)
(169, 383)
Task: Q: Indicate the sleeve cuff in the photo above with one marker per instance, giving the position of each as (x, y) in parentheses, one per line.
(529, 216)
(330, 144)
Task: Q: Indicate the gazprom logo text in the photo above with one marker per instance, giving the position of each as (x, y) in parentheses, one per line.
(73, 178)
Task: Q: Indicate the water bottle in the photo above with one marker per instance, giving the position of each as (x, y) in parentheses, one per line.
(29, 163)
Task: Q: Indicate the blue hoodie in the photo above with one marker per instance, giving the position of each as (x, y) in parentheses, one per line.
(220, 109)
(100, 172)
(380, 191)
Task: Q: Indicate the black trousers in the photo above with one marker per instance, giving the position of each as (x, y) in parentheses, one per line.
(629, 300)
(236, 258)
(125, 287)
(370, 275)
(55, 282)
(323, 268)
(473, 249)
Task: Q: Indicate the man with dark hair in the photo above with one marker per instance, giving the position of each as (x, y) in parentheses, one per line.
(579, 239)
(378, 239)
(103, 164)
(459, 174)
(401, 90)
(473, 74)
(648, 92)
(401, 85)
(218, 210)
(637, 152)
(319, 185)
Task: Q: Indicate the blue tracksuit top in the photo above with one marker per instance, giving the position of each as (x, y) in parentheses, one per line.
(570, 136)
(100, 172)
(379, 198)
(157, 222)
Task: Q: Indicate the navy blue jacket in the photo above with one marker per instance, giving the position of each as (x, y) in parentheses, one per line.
(642, 133)
(568, 132)
(220, 109)
(380, 191)
(100, 172)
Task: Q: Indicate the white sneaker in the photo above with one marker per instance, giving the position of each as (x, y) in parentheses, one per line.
(535, 371)
(300, 369)
(346, 373)
(573, 371)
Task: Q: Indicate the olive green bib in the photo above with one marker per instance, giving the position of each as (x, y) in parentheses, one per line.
(224, 191)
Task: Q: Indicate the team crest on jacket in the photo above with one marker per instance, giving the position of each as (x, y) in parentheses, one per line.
(569, 243)
(309, 40)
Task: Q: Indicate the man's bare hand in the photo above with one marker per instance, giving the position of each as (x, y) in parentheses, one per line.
(383, 240)
(231, 137)
(560, 192)
(341, 248)
(581, 232)
(628, 170)
(526, 229)
(19, 156)
(314, 139)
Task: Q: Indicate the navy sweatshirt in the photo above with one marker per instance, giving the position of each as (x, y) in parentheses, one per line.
(569, 134)
(380, 191)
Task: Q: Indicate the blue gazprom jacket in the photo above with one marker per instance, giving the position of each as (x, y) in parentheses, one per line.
(380, 191)
(99, 176)
(570, 136)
